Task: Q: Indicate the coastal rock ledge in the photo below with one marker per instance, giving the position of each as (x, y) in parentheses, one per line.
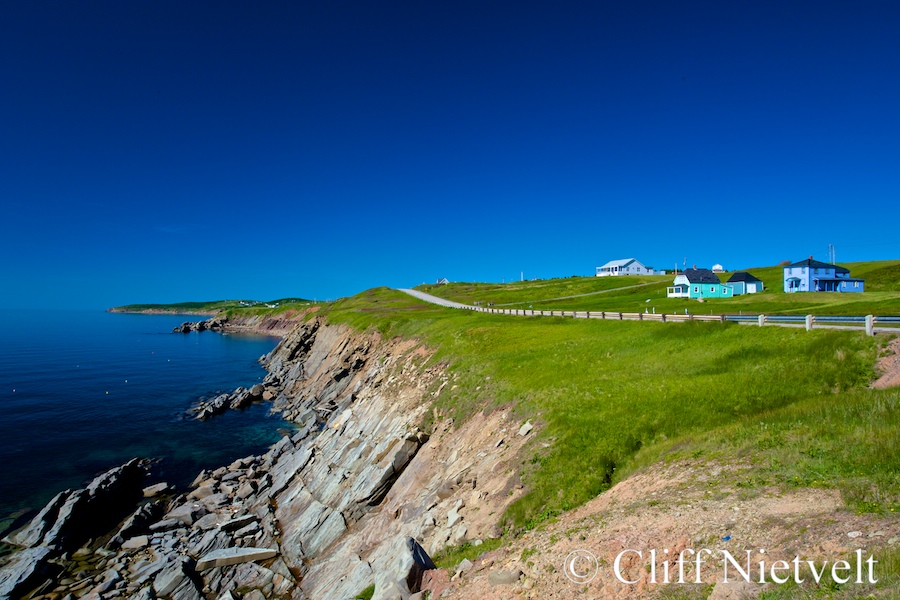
(357, 495)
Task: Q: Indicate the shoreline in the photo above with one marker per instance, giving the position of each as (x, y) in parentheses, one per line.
(289, 522)
(159, 311)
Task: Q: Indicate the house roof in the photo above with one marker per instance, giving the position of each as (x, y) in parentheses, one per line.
(742, 276)
(818, 264)
(622, 262)
(701, 276)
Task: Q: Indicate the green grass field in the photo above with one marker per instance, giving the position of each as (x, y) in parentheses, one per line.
(613, 395)
(637, 294)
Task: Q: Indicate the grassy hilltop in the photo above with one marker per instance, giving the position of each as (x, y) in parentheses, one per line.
(613, 395)
(636, 294)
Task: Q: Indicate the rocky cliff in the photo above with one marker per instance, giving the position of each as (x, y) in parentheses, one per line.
(277, 325)
(341, 504)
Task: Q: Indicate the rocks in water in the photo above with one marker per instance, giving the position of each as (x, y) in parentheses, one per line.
(328, 507)
(233, 556)
(32, 534)
(73, 517)
(216, 323)
(236, 400)
(69, 520)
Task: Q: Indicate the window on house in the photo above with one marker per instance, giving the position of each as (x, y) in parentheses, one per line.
(856, 284)
(696, 289)
(712, 290)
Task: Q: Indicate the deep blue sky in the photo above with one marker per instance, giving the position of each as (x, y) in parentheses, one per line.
(163, 151)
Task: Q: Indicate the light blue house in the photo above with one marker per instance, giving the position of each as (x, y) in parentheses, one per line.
(815, 276)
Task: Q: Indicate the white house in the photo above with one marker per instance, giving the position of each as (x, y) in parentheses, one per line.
(624, 266)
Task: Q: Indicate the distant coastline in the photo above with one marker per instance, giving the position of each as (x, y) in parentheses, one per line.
(160, 311)
(211, 308)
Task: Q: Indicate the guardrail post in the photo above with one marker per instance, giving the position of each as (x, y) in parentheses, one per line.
(870, 325)
(809, 322)
(762, 320)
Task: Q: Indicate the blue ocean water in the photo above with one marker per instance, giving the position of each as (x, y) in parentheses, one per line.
(83, 391)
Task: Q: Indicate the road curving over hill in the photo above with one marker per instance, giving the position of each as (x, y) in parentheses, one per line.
(434, 299)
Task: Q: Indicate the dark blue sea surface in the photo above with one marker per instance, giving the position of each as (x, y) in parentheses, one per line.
(84, 391)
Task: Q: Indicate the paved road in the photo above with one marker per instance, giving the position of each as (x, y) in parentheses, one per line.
(433, 299)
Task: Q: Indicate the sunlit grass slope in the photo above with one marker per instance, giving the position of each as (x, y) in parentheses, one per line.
(605, 390)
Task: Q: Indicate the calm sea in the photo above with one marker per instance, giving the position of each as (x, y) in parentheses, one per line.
(83, 391)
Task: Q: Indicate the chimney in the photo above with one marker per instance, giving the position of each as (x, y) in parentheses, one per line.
(810, 257)
(695, 267)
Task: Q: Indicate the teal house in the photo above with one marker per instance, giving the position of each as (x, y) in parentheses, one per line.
(699, 284)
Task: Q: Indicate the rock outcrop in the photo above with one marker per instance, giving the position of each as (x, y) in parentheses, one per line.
(68, 520)
(216, 323)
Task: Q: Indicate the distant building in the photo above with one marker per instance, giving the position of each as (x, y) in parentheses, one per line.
(624, 266)
(717, 268)
(815, 276)
(744, 283)
(443, 281)
(698, 284)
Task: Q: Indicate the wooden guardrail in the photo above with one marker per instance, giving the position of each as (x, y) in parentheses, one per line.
(809, 321)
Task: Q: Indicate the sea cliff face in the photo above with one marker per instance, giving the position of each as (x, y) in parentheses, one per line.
(348, 500)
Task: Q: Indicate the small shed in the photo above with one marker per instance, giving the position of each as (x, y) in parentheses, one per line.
(744, 283)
